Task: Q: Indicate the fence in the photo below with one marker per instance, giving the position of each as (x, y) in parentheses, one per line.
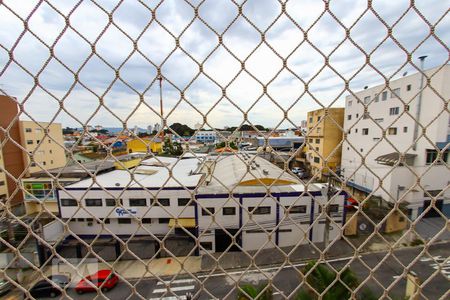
(316, 118)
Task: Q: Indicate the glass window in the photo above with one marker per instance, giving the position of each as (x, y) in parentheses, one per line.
(317, 160)
(185, 201)
(124, 221)
(384, 96)
(205, 211)
(28, 130)
(365, 131)
(29, 142)
(392, 131)
(379, 120)
(206, 245)
(408, 87)
(163, 202)
(146, 220)
(432, 156)
(350, 102)
(405, 129)
(229, 211)
(69, 202)
(113, 202)
(261, 210)
(138, 202)
(394, 111)
(163, 220)
(349, 117)
(366, 99)
(317, 141)
(298, 209)
(93, 202)
(2, 182)
(377, 98)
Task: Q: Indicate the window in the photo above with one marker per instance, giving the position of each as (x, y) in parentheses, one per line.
(405, 129)
(366, 115)
(105, 221)
(298, 209)
(357, 115)
(29, 142)
(261, 210)
(365, 131)
(51, 161)
(317, 160)
(394, 111)
(146, 220)
(38, 130)
(185, 201)
(113, 202)
(350, 102)
(206, 245)
(395, 93)
(93, 202)
(229, 211)
(79, 219)
(138, 202)
(44, 163)
(310, 119)
(366, 99)
(310, 140)
(356, 130)
(361, 150)
(163, 220)
(433, 193)
(38, 141)
(205, 210)
(318, 118)
(384, 96)
(124, 221)
(2, 183)
(379, 120)
(349, 117)
(408, 87)
(317, 141)
(432, 155)
(377, 98)
(392, 131)
(28, 130)
(50, 151)
(163, 202)
(69, 202)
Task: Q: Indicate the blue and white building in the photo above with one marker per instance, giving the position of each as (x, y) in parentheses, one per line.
(207, 137)
(210, 198)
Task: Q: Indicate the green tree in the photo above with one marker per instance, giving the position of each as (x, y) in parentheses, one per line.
(261, 292)
(223, 144)
(322, 277)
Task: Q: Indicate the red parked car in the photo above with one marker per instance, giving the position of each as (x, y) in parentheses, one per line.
(104, 279)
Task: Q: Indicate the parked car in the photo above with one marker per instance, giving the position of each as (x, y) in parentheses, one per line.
(295, 170)
(45, 288)
(105, 279)
(5, 286)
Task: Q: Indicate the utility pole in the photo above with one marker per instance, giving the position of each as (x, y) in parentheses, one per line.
(329, 195)
(419, 102)
(161, 104)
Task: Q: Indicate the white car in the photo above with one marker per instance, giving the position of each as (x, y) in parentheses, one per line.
(296, 170)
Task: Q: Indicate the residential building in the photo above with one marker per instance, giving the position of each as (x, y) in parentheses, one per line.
(3, 182)
(11, 150)
(194, 200)
(144, 145)
(286, 143)
(207, 137)
(404, 145)
(44, 145)
(323, 140)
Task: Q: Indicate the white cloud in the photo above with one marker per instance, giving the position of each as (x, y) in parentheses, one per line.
(156, 42)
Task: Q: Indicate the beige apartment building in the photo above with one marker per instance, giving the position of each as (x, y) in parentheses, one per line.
(44, 145)
(323, 149)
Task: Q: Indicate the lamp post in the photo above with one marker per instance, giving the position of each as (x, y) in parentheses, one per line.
(419, 102)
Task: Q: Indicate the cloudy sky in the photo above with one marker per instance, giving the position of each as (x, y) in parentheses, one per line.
(147, 35)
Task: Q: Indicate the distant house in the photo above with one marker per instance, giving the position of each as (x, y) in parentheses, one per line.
(144, 145)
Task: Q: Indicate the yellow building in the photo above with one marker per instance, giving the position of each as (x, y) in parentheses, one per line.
(44, 144)
(323, 149)
(145, 145)
(3, 183)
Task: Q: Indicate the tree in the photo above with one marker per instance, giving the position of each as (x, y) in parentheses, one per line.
(68, 130)
(248, 291)
(223, 144)
(170, 148)
(182, 129)
(322, 277)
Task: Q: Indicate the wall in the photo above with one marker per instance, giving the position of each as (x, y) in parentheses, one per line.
(47, 150)
(3, 182)
(12, 153)
(140, 145)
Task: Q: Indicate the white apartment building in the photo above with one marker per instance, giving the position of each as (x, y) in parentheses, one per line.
(206, 137)
(384, 135)
(211, 198)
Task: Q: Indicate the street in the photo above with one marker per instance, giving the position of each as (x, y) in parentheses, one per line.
(386, 275)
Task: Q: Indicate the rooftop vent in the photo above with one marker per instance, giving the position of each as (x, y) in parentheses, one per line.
(256, 164)
(265, 172)
(117, 184)
(366, 87)
(253, 168)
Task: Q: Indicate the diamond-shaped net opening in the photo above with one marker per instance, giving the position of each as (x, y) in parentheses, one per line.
(224, 149)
